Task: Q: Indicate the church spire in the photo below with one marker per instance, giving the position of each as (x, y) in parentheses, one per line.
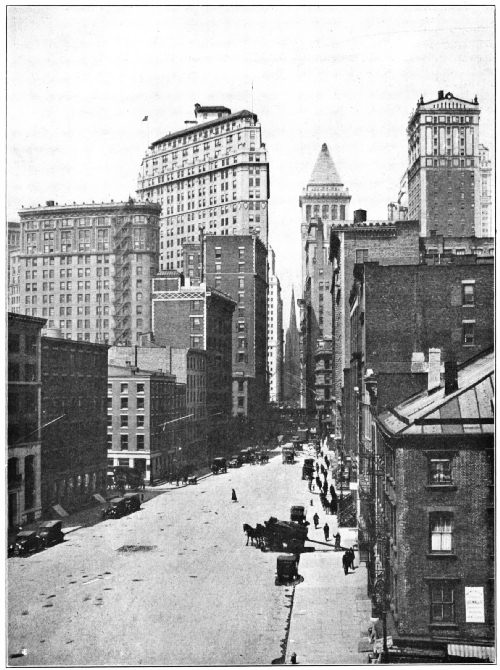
(292, 326)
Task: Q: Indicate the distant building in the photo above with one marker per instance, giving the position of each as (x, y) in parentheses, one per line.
(145, 430)
(444, 187)
(398, 211)
(274, 332)
(487, 229)
(189, 368)
(198, 317)
(237, 265)
(74, 447)
(435, 519)
(291, 367)
(388, 243)
(13, 247)
(24, 419)
(210, 176)
(87, 268)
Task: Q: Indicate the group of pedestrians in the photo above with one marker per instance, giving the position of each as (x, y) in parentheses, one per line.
(348, 560)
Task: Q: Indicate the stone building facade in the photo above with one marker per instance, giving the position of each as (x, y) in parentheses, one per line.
(274, 332)
(87, 268)
(444, 185)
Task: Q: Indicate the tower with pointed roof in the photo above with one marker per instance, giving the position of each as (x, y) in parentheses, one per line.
(324, 204)
(291, 370)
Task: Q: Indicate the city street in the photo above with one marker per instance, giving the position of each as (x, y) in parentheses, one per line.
(194, 594)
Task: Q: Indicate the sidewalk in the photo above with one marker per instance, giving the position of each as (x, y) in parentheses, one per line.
(331, 611)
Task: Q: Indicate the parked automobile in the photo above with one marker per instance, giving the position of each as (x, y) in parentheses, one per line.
(219, 465)
(26, 542)
(286, 568)
(132, 502)
(297, 513)
(116, 508)
(235, 462)
(50, 532)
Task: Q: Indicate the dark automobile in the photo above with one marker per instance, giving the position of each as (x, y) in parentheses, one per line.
(117, 507)
(297, 514)
(234, 462)
(50, 532)
(286, 568)
(132, 502)
(219, 465)
(27, 541)
(308, 468)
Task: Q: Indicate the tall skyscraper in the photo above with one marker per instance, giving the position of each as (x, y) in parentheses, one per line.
(487, 228)
(211, 176)
(324, 204)
(87, 268)
(274, 332)
(291, 368)
(444, 167)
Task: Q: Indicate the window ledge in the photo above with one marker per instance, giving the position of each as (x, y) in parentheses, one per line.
(441, 487)
(442, 624)
(441, 554)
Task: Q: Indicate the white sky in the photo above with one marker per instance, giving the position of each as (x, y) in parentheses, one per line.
(80, 80)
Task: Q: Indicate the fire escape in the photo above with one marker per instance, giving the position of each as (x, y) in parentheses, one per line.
(122, 246)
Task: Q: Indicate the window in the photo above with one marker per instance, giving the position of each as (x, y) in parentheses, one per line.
(124, 421)
(140, 421)
(140, 403)
(140, 442)
(241, 402)
(442, 602)
(123, 403)
(467, 294)
(123, 442)
(361, 255)
(440, 471)
(124, 387)
(140, 387)
(441, 531)
(468, 328)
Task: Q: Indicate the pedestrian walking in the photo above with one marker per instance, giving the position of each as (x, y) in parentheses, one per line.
(326, 531)
(316, 520)
(318, 483)
(345, 562)
(317, 468)
(327, 461)
(322, 468)
(309, 484)
(332, 492)
(325, 487)
(333, 506)
(233, 496)
(352, 556)
(337, 541)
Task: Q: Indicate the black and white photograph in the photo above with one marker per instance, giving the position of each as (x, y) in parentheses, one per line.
(250, 296)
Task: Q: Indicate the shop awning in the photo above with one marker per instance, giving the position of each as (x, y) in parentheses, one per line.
(472, 651)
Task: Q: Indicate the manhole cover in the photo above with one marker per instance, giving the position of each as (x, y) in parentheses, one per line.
(137, 547)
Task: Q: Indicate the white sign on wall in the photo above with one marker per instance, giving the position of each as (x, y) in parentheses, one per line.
(474, 604)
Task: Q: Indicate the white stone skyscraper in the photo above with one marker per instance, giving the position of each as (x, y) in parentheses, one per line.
(212, 176)
(274, 331)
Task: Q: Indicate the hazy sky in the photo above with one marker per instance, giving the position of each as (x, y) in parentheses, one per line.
(80, 80)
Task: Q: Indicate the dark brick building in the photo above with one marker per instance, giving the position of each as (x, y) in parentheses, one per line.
(74, 379)
(237, 265)
(24, 419)
(388, 243)
(435, 518)
(196, 317)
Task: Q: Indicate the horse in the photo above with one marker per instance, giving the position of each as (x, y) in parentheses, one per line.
(250, 533)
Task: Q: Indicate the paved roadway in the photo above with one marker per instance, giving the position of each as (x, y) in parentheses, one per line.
(199, 596)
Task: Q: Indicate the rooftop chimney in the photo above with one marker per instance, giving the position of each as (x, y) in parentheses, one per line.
(359, 215)
(440, 95)
(434, 374)
(450, 377)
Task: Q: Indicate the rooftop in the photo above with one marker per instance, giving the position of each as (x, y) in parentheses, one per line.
(324, 171)
(468, 410)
